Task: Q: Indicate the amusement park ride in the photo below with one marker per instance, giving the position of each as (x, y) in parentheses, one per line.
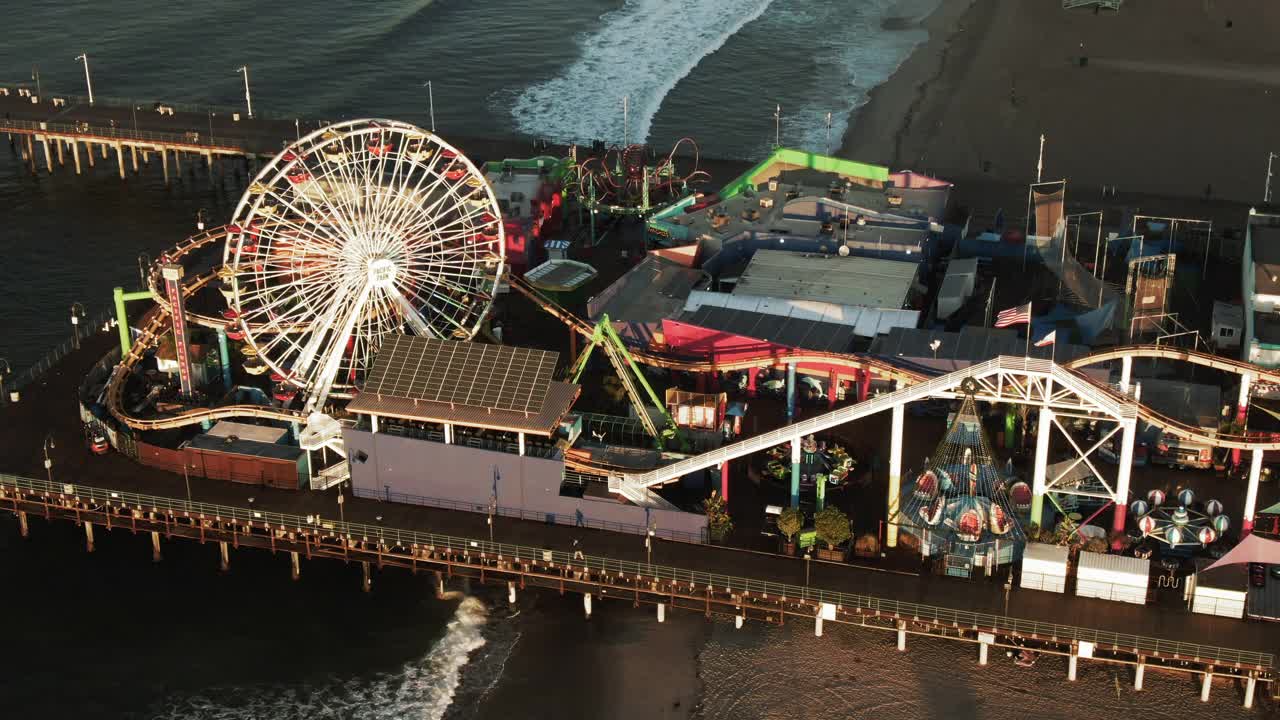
(370, 227)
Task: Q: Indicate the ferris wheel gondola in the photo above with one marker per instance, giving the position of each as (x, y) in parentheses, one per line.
(356, 230)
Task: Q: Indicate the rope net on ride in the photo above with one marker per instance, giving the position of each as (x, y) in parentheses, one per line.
(960, 496)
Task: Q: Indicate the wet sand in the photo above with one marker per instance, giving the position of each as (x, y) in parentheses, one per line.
(1175, 98)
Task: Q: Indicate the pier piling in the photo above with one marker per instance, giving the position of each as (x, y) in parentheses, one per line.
(155, 546)
(1205, 684)
(902, 636)
(439, 585)
(511, 592)
(164, 162)
(982, 653)
(737, 622)
(23, 530)
(662, 612)
(61, 157)
(224, 556)
(817, 625)
(120, 159)
(88, 537)
(177, 162)
(586, 604)
(1072, 661)
(1139, 670)
(88, 152)
(75, 154)
(1250, 685)
(295, 565)
(103, 148)
(133, 150)
(48, 159)
(366, 583)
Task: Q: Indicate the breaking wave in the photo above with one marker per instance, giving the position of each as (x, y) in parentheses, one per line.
(640, 51)
(421, 689)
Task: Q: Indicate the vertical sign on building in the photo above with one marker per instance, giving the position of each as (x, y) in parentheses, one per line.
(172, 274)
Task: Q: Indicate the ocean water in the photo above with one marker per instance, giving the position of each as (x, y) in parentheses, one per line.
(110, 635)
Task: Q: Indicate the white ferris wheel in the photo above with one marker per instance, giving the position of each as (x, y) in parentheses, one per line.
(361, 228)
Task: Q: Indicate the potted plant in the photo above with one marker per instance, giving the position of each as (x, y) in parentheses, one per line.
(719, 524)
(832, 526)
(790, 522)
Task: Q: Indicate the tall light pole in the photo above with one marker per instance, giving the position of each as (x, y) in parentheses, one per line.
(828, 133)
(248, 99)
(431, 104)
(35, 75)
(777, 127)
(186, 478)
(84, 58)
(77, 312)
(1266, 192)
(48, 464)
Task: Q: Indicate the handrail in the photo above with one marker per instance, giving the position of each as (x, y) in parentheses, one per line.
(389, 537)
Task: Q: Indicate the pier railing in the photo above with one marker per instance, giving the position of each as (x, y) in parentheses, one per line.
(83, 330)
(848, 602)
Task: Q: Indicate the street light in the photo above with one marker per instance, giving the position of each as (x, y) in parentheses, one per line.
(200, 216)
(186, 478)
(77, 312)
(248, 101)
(431, 104)
(648, 547)
(807, 557)
(48, 464)
(84, 58)
(934, 347)
(35, 75)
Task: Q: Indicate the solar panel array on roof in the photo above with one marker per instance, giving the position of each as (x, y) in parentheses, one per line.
(499, 377)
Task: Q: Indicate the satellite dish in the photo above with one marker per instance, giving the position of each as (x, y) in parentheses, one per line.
(843, 251)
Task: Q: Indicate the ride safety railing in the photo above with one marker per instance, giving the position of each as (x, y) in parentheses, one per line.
(399, 539)
(194, 139)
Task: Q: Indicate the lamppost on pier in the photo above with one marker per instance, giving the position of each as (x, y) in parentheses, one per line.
(5, 371)
(48, 463)
(84, 58)
(248, 100)
(1266, 192)
(35, 75)
(807, 558)
(77, 312)
(431, 104)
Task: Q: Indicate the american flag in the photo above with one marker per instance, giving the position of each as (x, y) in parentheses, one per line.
(1049, 339)
(1020, 315)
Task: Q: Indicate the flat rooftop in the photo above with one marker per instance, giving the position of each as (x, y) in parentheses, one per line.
(855, 281)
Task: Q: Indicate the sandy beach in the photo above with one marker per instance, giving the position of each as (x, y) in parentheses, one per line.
(1164, 97)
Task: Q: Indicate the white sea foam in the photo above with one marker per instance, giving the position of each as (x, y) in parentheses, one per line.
(639, 51)
(421, 689)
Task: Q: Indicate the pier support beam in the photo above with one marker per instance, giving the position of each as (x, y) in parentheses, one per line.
(164, 162)
(133, 153)
(662, 612)
(295, 565)
(817, 624)
(902, 636)
(88, 536)
(366, 582)
(61, 158)
(177, 162)
(155, 546)
(88, 152)
(1251, 494)
(1205, 685)
(120, 159)
(1139, 671)
(224, 556)
(23, 529)
(439, 584)
(48, 160)
(103, 148)
(795, 471)
(983, 648)
(75, 154)
(586, 604)
(1127, 438)
(1250, 685)
(737, 622)
(895, 475)
(1038, 480)
(1073, 661)
(511, 592)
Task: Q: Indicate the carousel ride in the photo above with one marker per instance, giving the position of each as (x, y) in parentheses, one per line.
(959, 505)
(628, 181)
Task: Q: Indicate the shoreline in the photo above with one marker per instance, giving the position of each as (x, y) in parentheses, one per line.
(1167, 119)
